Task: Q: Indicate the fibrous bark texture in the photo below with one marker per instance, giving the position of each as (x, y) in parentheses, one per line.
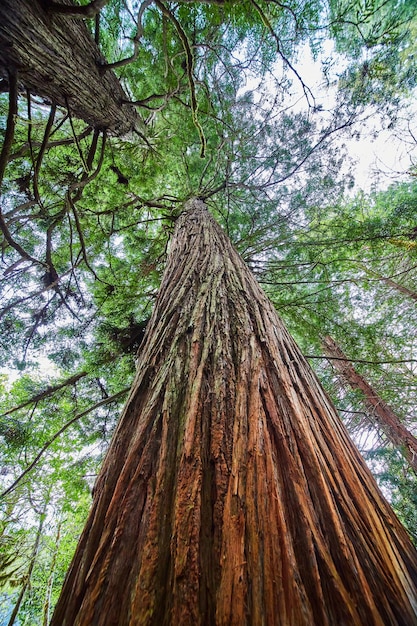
(56, 57)
(231, 493)
(383, 415)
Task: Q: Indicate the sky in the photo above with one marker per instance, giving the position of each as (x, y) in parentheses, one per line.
(383, 154)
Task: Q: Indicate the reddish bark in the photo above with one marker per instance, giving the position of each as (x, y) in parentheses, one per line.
(56, 57)
(392, 283)
(385, 417)
(231, 493)
(404, 290)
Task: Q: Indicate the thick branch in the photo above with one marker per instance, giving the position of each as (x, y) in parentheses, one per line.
(8, 140)
(10, 125)
(58, 59)
(25, 148)
(86, 10)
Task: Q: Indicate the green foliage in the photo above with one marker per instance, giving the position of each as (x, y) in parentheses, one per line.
(379, 36)
(94, 215)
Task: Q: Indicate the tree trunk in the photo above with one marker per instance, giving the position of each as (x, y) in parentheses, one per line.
(56, 58)
(391, 283)
(400, 288)
(231, 493)
(32, 562)
(50, 582)
(387, 420)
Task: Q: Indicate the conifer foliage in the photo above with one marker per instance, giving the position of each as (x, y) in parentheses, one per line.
(230, 492)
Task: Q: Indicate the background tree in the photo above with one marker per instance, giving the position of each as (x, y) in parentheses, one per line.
(387, 421)
(57, 59)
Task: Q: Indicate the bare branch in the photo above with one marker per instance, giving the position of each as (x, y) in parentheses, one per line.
(8, 140)
(136, 40)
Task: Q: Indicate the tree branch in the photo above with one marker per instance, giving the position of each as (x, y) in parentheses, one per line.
(10, 125)
(49, 391)
(87, 178)
(8, 140)
(336, 358)
(87, 10)
(50, 441)
(307, 91)
(136, 40)
(23, 150)
(42, 149)
(189, 60)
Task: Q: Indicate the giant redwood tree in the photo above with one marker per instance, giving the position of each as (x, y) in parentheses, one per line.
(86, 208)
(231, 493)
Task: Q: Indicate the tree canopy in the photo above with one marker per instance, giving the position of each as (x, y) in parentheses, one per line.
(207, 99)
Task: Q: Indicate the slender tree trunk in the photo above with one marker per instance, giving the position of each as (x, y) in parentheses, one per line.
(387, 420)
(56, 57)
(392, 283)
(400, 288)
(50, 583)
(231, 493)
(30, 568)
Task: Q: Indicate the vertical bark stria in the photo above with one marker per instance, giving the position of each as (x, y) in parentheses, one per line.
(56, 57)
(384, 416)
(231, 493)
